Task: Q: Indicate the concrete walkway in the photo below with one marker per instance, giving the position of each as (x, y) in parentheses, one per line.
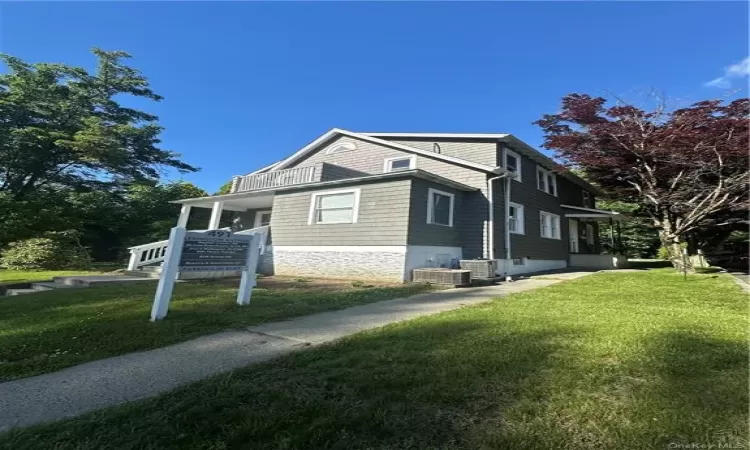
(742, 279)
(135, 376)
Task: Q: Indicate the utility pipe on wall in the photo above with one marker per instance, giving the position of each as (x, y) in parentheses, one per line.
(491, 218)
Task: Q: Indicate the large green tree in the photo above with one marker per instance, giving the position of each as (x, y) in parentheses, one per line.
(61, 125)
(73, 156)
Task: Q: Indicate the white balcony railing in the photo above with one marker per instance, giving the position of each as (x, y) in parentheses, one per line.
(286, 177)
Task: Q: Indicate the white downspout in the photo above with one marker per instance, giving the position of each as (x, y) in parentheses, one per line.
(491, 218)
(508, 183)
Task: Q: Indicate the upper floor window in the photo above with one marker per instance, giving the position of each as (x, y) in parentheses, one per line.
(334, 207)
(515, 219)
(439, 208)
(546, 181)
(399, 163)
(549, 225)
(586, 198)
(512, 162)
(340, 147)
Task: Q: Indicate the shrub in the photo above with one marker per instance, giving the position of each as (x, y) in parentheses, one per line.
(55, 251)
(663, 254)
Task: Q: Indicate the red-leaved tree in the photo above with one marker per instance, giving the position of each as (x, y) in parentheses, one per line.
(683, 166)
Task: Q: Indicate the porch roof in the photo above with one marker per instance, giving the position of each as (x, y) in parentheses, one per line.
(262, 198)
(579, 212)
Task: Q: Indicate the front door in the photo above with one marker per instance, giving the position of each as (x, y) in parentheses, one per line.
(573, 232)
(262, 219)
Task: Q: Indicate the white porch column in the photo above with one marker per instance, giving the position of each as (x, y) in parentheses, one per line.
(184, 216)
(213, 223)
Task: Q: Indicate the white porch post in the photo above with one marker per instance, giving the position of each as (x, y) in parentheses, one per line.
(213, 223)
(184, 216)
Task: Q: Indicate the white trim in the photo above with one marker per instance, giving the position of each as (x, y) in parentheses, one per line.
(545, 174)
(555, 217)
(520, 224)
(342, 248)
(600, 211)
(430, 207)
(388, 163)
(314, 198)
(503, 137)
(337, 131)
(507, 151)
(442, 135)
(258, 214)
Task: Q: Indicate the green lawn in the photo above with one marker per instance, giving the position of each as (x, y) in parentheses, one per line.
(46, 331)
(26, 276)
(612, 361)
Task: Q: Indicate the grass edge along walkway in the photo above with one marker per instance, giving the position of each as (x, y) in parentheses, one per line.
(616, 360)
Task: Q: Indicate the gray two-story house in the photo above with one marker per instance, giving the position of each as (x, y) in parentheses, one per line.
(377, 205)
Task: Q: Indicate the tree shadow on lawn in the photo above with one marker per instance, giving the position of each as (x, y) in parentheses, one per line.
(425, 385)
(456, 380)
(84, 327)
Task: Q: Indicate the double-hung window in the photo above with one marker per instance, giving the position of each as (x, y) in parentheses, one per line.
(512, 162)
(546, 181)
(440, 208)
(399, 163)
(590, 234)
(334, 207)
(516, 219)
(549, 225)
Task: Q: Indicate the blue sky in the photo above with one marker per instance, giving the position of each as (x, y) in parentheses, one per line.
(248, 83)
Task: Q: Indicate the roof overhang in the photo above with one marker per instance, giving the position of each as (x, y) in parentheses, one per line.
(334, 132)
(506, 138)
(579, 212)
(237, 201)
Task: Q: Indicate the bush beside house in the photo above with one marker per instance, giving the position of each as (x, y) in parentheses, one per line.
(55, 251)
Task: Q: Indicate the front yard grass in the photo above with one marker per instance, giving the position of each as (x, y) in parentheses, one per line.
(640, 360)
(29, 276)
(47, 331)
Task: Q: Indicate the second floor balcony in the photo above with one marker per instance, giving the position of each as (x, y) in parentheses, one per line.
(289, 177)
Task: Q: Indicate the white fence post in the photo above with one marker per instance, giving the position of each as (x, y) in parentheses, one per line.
(134, 258)
(168, 274)
(247, 283)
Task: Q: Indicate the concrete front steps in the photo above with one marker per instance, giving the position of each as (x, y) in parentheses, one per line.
(81, 281)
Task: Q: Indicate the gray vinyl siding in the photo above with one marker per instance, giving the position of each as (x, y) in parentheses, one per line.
(531, 244)
(383, 217)
(423, 233)
(368, 157)
(571, 193)
(478, 151)
(332, 172)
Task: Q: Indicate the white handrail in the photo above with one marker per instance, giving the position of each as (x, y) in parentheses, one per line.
(154, 252)
(286, 177)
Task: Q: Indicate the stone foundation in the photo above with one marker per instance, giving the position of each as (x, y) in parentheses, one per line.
(387, 264)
